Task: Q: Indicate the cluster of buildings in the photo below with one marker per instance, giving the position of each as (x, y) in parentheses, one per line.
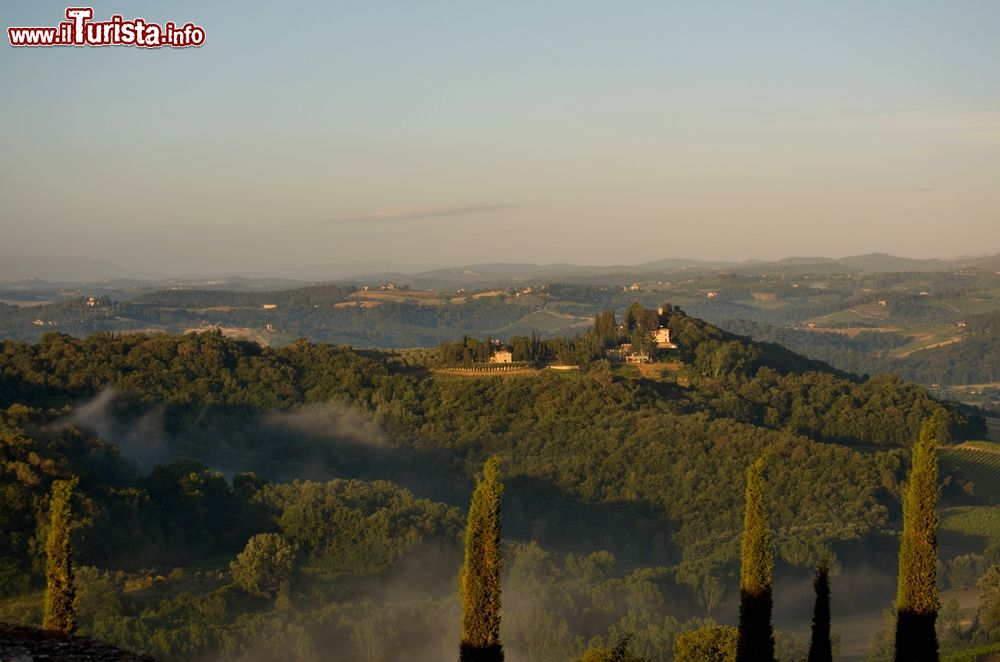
(624, 352)
(629, 354)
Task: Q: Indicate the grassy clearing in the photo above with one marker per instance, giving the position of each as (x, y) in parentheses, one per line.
(969, 306)
(764, 304)
(969, 529)
(545, 321)
(25, 304)
(423, 297)
(660, 369)
(927, 338)
(841, 317)
(849, 331)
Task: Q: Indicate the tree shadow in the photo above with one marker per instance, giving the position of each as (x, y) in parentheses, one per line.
(634, 531)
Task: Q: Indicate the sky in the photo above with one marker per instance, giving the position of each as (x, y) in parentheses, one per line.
(449, 133)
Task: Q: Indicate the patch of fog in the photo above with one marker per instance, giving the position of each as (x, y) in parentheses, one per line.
(143, 440)
(329, 420)
(860, 593)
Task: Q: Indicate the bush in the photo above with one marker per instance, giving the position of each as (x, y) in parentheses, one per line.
(713, 643)
(264, 566)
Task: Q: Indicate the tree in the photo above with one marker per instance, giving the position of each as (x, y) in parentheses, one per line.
(916, 593)
(620, 653)
(711, 643)
(601, 373)
(481, 571)
(59, 611)
(265, 565)
(821, 647)
(606, 328)
(756, 635)
(988, 613)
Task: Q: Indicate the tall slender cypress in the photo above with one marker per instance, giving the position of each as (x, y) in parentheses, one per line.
(59, 611)
(916, 593)
(756, 636)
(481, 570)
(820, 647)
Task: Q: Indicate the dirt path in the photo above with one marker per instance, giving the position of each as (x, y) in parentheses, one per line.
(849, 331)
(948, 341)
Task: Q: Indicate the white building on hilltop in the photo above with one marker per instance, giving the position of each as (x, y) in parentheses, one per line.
(662, 338)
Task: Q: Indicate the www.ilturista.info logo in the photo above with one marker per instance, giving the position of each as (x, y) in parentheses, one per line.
(80, 30)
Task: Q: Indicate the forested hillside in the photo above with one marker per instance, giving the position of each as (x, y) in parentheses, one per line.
(623, 489)
(972, 358)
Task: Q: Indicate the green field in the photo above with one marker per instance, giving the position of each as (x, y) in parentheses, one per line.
(764, 304)
(968, 529)
(925, 338)
(842, 317)
(546, 322)
(977, 653)
(968, 306)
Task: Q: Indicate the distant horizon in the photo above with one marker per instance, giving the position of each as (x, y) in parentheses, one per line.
(346, 270)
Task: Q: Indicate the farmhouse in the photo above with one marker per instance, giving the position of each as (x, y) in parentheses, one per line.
(502, 356)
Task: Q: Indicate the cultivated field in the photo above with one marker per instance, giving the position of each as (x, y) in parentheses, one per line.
(977, 462)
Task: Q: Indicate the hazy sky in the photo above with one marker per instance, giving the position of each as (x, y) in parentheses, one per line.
(458, 132)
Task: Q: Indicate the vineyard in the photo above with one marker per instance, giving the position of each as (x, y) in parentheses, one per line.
(978, 463)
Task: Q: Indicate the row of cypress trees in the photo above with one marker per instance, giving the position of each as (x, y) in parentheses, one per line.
(916, 593)
(916, 599)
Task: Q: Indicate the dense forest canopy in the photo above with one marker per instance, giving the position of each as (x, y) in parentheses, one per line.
(620, 488)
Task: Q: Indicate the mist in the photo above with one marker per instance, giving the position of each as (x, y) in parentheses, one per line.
(328, 420)
(143, 440)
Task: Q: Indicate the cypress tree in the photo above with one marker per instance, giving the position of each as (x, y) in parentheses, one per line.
(916, 593)
(59, 593)
(820, 647)
(481, 571)
(756, 636)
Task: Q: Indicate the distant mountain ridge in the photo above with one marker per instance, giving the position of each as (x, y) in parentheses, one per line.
(512, 273)
(36, 271)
